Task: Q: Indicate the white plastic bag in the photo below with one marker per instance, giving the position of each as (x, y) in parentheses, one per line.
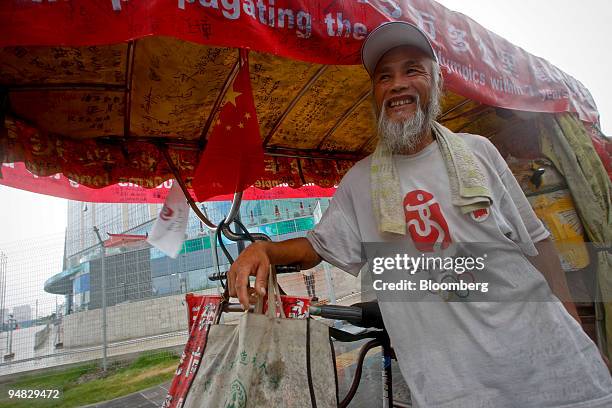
(266, 361)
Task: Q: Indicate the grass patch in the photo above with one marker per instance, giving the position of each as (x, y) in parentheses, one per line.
(87, 384)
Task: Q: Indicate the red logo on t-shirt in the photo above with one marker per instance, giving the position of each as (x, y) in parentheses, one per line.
(480, 215)
(425, 221)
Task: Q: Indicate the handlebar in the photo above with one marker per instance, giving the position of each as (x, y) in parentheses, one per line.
(280, 269)
(365, 314)
(287, 268)
(349, 313)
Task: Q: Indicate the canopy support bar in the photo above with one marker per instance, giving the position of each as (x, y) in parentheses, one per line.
(311, 154)
(231, 216)
(344, 117)
(477, 116)
(228, 82)
(294, 102)
(454, 108)
(476, 111)
(128, 87)
(366, 143)
(177, 176)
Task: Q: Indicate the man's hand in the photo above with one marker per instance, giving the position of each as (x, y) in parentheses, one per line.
(256, 259)
(606, 361)
(253, 261)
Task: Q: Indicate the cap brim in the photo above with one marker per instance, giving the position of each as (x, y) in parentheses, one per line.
(390, 35)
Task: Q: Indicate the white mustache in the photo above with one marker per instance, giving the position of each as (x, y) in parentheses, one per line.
(405, 136)
(401, 136)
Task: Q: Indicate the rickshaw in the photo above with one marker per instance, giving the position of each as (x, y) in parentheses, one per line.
(134, 92)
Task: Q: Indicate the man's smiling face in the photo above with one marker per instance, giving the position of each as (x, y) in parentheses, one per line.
(401, 77)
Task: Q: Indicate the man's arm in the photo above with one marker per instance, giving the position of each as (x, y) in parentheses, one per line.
(256, 259)
(547, 262)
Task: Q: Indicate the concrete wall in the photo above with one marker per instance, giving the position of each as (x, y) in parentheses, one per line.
(128, 278)
(41, 337)
(137, 319)
(125, 321)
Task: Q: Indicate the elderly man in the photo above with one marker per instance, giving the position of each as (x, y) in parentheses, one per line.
(437, 188)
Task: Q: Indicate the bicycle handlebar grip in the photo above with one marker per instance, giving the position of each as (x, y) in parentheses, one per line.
(371, 316)
(366, 314)
(287, 268)
(348, 313)
(279, 269)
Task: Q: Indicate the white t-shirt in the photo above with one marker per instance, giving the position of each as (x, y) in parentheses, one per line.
(472, 354)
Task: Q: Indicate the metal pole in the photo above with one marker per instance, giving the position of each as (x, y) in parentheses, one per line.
(316, 215)
(10, 344)
(213, 245)
(387, 382)
(9, 340)
(239, 243)
(56, 325)
(3, 263)
(330, 284)
(12, 323)
(104, 343)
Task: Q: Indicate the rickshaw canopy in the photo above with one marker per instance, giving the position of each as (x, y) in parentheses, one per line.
(90, 90)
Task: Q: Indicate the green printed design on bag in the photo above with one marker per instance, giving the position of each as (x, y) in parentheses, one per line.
(261, 362)
(238, 397)
(243, 357)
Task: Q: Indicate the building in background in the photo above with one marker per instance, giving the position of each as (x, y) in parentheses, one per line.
(22, 313)
(143, 272)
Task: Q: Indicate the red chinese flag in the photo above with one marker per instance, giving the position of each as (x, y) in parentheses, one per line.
(233, 158)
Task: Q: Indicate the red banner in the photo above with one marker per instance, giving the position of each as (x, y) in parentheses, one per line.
(202, 312)
(477, 63)
(16, 175)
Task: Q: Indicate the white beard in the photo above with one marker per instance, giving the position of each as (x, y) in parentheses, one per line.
(405, 136)
(402, 136)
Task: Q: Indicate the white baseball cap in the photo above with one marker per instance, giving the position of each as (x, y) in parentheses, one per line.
(390, 35)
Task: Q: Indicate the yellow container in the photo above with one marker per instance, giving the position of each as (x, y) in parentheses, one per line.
(558, 213)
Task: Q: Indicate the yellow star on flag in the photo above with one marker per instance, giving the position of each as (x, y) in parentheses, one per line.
(231, 95)
(247, 115)
(228, 127)
(240, 125)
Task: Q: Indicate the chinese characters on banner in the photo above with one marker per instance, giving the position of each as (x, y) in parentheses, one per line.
(478, 64)
(271, 186)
